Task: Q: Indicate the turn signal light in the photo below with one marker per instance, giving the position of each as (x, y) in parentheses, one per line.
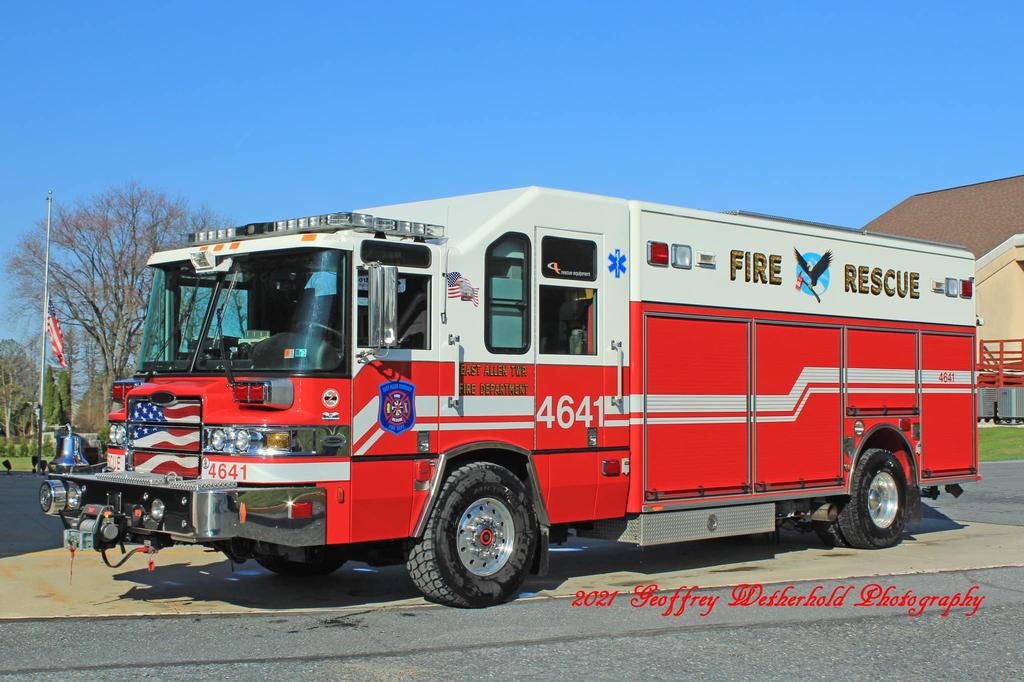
(279, 440)
(250, 392)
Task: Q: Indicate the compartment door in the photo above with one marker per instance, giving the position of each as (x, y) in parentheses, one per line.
(696, 401)
(948, 421)
(798, 427)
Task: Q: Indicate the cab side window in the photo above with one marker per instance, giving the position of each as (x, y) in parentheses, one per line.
(568, 320)
(507, 295)
(413, 311)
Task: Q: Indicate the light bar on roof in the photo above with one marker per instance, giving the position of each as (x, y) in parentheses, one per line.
(328, 222)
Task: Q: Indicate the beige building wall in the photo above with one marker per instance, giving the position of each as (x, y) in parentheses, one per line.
(999, 291)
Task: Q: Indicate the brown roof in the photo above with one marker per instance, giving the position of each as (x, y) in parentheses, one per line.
(979, 216)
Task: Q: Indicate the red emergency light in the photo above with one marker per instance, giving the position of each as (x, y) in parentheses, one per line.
(119, 389)
(966, 288)
(657, 253)
(300, 510)
(253, 392)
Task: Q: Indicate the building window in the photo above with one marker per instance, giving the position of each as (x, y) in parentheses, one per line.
(507, 295)
(567, 321)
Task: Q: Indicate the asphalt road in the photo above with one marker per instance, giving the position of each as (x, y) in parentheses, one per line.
(533, 638)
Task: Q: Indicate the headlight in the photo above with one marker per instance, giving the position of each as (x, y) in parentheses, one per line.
(74, 497)
(52, 496)
(242, 440)
(118, 434)
(218, 439)
(156, 510)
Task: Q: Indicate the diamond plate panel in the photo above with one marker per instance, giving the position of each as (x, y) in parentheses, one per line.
(687, 524)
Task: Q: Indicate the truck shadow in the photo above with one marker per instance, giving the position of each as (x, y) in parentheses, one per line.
(584, 561)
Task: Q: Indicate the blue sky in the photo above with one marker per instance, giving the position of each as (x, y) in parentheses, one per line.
(826, 111)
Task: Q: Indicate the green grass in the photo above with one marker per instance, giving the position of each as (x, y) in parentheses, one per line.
(17, 464)
(1000, 443)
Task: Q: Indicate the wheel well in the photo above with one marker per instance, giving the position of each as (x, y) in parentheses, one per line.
(514, 461)
(886, 437)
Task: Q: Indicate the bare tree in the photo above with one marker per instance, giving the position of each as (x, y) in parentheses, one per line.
(98, 279)
(16, 382)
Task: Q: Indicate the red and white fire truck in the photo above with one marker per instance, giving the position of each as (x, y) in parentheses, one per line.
(457, 383)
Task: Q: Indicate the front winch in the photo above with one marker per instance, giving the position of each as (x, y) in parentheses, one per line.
(99, 528)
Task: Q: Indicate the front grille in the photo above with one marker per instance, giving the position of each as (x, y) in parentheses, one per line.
(165, 438)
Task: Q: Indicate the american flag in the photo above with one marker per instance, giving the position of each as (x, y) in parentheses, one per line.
(56, 336)
(153, 426)
(461, 288)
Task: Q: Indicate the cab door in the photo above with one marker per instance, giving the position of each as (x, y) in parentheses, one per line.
(394, 391)
(581, 325)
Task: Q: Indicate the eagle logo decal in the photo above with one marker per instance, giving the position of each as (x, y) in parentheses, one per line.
(812, 275)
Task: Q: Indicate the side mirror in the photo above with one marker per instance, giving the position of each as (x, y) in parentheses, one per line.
(383, 305)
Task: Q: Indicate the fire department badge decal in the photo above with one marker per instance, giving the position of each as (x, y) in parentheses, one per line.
(397, 406)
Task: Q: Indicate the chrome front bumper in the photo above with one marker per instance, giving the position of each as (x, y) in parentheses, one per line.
(202, 511)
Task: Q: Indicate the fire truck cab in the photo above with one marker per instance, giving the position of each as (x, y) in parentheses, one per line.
(456, 383)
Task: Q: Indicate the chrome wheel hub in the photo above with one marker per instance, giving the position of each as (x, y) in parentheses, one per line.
(883, 499)
(487, 534)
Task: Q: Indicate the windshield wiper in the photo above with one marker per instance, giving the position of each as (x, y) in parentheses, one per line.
(228, 372)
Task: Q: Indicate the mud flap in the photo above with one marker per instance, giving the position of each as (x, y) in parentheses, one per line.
(540, 558)
(913, 497)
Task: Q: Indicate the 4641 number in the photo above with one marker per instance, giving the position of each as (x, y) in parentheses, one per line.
(566, 412)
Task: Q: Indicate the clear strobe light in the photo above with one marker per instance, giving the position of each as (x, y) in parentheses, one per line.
(340, 220)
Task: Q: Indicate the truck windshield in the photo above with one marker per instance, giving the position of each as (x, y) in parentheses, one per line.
(271, 312)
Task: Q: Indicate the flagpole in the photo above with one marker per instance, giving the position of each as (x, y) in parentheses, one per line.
(42, 335)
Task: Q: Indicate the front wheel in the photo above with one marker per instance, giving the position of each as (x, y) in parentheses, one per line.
(874, 517)
(479, 540)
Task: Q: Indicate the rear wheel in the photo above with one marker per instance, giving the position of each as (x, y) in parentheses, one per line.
(874, 517)
(479, 540)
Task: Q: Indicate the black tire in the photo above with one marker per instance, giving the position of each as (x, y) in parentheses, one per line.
(325, 563)
(855, 521)
(433, 561)
(830, 534)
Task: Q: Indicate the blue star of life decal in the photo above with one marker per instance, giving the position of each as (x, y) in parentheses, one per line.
(617, 263)
(397, 406)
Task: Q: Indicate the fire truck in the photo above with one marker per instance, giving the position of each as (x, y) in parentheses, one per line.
(455, 384)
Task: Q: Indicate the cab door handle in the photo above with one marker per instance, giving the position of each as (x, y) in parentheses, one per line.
(619, 399)
(455, 399)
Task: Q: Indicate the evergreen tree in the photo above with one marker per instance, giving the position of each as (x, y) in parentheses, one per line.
(49, 396)
(56, 397)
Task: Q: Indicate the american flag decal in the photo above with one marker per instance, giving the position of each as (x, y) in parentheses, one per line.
(180, 412)
(461, 288)
(56, 336)
(172, 431)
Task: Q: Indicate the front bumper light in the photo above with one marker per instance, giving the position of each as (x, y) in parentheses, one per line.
(73, 500)
(52, 496)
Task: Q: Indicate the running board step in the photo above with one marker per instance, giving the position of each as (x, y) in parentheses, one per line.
(661, 528)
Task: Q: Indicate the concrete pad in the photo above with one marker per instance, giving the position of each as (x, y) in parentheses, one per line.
(188, 580)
